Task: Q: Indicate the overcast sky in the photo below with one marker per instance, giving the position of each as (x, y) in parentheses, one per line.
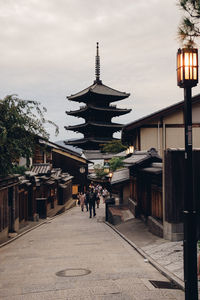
(48, 48)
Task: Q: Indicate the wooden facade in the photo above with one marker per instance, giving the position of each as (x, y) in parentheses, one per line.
(146, 193)
(37, 194)
(76, 165)
(175, 182)
(9, 206)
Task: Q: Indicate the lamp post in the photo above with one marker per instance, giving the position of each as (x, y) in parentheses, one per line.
(110, 175)
(109, 201)
(106, 167)
(187, 77)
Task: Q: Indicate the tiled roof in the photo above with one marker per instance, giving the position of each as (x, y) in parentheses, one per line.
(155, 168)
(96, 155)
(94, 124)
(120, 176)
(135, 159)
(41, 168)
(83, 141)
(111, 109)
(140, 156)
(120, 154)
(99, 89)
(93, 154)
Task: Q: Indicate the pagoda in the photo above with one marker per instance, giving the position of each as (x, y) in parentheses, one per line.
(97, 112)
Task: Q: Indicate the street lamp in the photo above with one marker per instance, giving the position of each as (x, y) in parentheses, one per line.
(110, 175)
(106, 167)
(109, 201)
(187, 77)
(130, 150)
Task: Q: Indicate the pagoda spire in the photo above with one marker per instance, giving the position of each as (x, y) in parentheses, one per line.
(97, 66)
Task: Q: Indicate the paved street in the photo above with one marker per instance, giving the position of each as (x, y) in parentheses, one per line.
(74, 257)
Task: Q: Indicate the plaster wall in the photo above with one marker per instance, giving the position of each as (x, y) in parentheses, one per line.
(196, 136)
(174, 118)
(175, 138)
(148, 138)
(196, 113)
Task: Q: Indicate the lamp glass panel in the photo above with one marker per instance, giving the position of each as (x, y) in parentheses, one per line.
(186, 62)
(195, 73)
(131, 148)
(195, 59)
(181, 66)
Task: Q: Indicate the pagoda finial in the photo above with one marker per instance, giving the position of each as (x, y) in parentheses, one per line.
(97, 66)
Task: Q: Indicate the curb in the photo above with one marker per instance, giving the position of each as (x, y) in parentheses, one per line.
(34, 227)
(173, 278)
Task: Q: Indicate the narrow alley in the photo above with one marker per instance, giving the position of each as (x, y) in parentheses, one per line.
(74, 257)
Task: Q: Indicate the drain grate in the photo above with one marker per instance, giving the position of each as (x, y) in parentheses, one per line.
(164, 285)
(73, 272)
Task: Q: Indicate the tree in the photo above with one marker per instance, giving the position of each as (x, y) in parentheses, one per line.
(189, 28)
(116, 163)
(99, 171)
(115, 146)
(21, 121)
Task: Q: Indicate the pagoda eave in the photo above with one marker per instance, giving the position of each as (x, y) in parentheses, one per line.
(87, 126)
(87, 143)
(98, 91)
(112, 111)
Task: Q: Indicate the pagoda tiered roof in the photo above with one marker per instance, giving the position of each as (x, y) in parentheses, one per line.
(85, 110)
(97, 112)
(95, 125)
(98, 91)
(89, 143)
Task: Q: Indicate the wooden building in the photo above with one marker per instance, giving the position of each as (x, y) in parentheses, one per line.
(66, 159)
(97, 112)
(9, 217)
(41, 192)
(164, 131)
(53, 189)
(74, 164)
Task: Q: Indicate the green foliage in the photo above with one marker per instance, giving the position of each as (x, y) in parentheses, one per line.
(115, 146)
(116, 163)
(189, 28)
(19, 169)
(99, 171)
(20, 122)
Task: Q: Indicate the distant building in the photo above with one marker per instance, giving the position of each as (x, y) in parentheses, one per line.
(97, 112)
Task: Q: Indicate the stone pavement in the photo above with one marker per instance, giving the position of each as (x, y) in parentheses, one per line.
(165, 255)
(74, 257)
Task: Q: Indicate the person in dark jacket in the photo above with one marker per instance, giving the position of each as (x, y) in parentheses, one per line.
(92, 202)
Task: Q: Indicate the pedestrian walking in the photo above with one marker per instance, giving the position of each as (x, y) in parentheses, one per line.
(78, 199)
(82, 201)
(98, 199)
(92, 202)
(105, 194)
